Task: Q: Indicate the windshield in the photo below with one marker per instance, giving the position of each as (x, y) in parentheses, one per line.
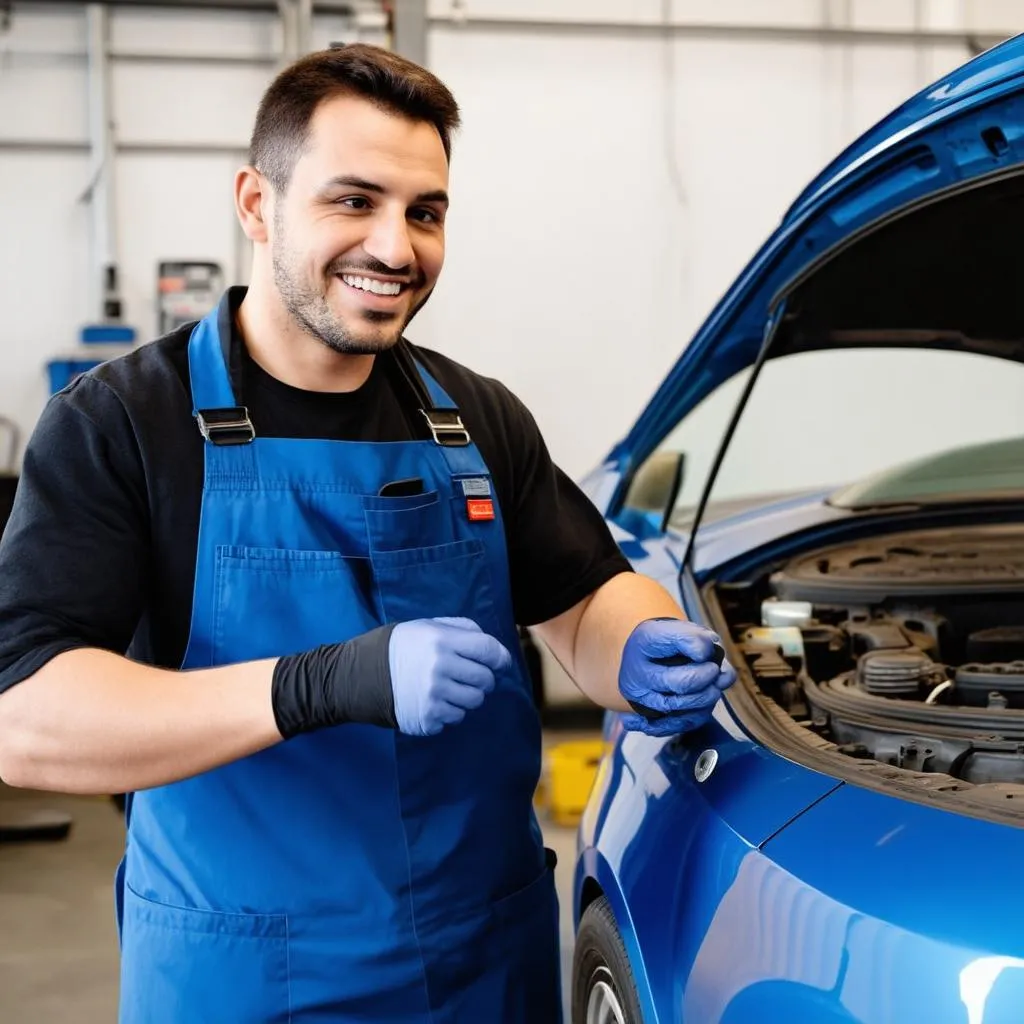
(826, 420)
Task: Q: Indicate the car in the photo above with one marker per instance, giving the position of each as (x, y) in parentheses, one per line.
(831, 477)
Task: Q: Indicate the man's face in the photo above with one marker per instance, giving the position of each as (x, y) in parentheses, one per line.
(358, 237)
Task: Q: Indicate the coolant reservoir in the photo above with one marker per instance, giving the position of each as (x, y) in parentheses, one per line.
(788, 639)
(786, 613)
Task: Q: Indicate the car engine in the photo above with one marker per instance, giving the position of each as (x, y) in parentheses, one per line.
(907, 649)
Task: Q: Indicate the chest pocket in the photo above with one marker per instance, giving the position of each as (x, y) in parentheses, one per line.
(412, 521)
(438, 581)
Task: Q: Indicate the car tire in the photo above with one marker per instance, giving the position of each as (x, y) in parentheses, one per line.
(603, 990)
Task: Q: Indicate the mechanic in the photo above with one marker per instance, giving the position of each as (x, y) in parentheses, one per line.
(264, 574)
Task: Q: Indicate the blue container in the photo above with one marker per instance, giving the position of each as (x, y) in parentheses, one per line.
(64, 371)
(107, 334)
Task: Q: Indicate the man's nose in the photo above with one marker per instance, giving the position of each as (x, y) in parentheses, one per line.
(389, 240)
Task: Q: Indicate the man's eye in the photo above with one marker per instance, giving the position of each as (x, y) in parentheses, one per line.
(356, 202)
(424, 215)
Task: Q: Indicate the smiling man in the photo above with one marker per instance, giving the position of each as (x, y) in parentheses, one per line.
(265, 574)
(353, 255)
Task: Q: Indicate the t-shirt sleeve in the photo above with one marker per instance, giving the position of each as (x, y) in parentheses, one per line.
(74, 554)
(560, 548)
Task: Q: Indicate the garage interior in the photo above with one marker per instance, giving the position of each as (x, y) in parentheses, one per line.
(653, 142)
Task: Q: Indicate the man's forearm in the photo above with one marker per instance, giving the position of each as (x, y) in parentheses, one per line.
(92, 722)
(588, 640)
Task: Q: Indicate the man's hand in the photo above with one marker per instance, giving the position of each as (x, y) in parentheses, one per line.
(440, 669)
(418, 677)
(672, 673)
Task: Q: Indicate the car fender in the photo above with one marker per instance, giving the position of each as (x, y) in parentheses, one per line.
(592, 868)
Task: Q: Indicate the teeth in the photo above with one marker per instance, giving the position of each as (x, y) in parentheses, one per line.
(376, 287)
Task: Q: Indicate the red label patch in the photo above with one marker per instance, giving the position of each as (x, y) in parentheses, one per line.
(480, 508)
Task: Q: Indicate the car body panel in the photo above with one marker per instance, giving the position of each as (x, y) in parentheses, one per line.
(990, 74)
(801, 937)
(887, 910)
(797, 929)
(771, 891)
(651, 861)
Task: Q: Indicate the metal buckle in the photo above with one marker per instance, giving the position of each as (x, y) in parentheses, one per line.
(447, 427)
(226, 426)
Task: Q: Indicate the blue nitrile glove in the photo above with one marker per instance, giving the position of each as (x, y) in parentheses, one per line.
(672, 673)
(440, 669)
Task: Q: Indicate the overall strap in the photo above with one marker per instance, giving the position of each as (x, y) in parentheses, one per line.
(441, 414)
(221, 420)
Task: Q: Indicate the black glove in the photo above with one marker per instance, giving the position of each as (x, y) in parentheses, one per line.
(419, 677)
(333, 684)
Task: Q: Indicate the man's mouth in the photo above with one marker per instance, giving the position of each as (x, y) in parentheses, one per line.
(373, 286)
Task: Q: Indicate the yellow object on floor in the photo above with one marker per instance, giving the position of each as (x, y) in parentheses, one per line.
(571, 770)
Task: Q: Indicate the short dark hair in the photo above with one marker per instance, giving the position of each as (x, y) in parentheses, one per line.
(393, 83)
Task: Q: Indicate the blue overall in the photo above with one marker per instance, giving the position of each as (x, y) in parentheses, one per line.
(355, 873)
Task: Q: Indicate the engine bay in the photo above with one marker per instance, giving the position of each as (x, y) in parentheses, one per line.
(906, 649)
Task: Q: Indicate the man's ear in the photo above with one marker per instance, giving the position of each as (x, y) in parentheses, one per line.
(252, 203)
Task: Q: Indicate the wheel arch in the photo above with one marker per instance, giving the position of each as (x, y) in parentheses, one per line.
(595, 878)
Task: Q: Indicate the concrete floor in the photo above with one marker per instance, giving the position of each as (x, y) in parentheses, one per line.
(58, 946)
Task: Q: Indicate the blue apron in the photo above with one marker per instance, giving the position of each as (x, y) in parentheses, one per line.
(355, 873)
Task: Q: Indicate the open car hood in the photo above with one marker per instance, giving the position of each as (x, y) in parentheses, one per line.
(949, 162)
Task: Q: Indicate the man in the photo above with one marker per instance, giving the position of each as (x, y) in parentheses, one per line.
(314, 542)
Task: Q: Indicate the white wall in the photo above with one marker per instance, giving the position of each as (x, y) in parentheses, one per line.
(608, 183)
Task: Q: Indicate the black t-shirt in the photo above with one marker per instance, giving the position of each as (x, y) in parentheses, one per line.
(100, 549)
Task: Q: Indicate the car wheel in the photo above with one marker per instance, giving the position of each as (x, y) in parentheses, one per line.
(603, 990)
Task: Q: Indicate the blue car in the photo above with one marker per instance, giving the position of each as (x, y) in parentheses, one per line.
(832, 478)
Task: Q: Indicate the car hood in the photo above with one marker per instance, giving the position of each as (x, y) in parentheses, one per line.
(964, 131)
